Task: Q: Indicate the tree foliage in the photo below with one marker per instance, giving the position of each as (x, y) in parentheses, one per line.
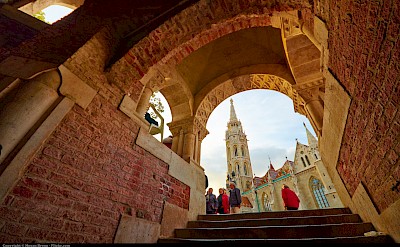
(156, 102)
(41, 16)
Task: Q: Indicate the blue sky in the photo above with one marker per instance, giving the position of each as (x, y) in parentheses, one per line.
(267, 117)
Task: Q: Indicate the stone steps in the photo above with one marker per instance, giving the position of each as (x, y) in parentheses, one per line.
(276, 214)
(337, 225)
(278, 232)
(288, 221)
(338, 240)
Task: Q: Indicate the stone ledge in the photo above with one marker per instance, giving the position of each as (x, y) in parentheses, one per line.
(136, 230)
(128, 106)
(14, 170)
(75, 89)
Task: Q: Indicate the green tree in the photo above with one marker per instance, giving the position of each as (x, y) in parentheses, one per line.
(41, 16)
(156, 102)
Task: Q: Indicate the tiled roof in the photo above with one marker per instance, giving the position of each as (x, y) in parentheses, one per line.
(246, 202)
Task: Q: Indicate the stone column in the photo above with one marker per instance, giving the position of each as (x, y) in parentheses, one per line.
(175, 142)
(143, 103)
(316, 110)
(24, 106)
(189, 144)
(180, 143)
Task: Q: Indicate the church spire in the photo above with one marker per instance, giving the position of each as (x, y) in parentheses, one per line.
(233, 113)
(312, 141)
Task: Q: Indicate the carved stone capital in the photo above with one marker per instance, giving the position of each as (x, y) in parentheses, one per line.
(189, 125)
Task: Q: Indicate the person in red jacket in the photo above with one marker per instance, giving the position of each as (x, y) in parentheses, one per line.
(223, 202)
(290, 199)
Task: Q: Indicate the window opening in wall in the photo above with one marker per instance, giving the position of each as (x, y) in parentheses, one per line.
(54, 13)
(236, 151)
(159, 112)
(243, 153)
(308, 161)
(245, 169)
(316, 156)
(238, 169)
(304, 163)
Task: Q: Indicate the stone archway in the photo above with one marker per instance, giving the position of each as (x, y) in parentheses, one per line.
(244, 83)
(358, 93)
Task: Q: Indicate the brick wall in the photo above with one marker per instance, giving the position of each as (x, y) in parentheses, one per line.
(87, 174)
(364, 56)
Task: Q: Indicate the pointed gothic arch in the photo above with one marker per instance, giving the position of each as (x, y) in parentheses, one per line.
(266, 202)
(318, 191)
(235, 151)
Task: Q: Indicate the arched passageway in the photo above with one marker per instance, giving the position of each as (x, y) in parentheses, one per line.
(341, 60)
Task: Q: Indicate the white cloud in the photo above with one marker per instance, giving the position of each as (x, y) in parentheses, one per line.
(54, 13)
(271, 126)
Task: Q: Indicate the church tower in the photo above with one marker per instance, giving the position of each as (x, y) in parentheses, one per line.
(237, 153)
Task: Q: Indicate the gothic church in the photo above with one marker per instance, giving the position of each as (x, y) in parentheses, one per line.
(307, 175)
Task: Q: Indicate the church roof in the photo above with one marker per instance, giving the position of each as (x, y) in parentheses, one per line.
(257, 181)
(273, 174)
(246, 202)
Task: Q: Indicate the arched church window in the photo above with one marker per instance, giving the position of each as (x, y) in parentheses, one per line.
(238, 169)
(243, 153)
(308, 161)
(245, 169)
(318, 191)
(304, 163)
(236, 151)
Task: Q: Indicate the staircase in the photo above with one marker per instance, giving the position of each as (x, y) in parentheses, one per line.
(335, 225)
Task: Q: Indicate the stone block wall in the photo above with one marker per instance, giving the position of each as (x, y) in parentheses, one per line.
(86, 175)
(364, 52)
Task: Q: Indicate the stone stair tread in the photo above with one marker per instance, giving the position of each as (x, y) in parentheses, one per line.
(274, 219)
(277, 232)
(274, 226)
(351, 239)
(276, 214)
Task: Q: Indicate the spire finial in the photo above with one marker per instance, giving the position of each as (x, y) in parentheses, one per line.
(233, 113)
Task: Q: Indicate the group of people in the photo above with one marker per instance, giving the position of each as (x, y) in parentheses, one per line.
(224, 204)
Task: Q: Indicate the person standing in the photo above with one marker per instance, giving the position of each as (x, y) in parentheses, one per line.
(211, 202)
(235, 199)
(223, 202)
(290, 199)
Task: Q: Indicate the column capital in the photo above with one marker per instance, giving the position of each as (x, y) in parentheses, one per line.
(188, 125)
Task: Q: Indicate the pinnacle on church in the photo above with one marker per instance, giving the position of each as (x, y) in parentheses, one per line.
(233, 113)
(312, 141)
